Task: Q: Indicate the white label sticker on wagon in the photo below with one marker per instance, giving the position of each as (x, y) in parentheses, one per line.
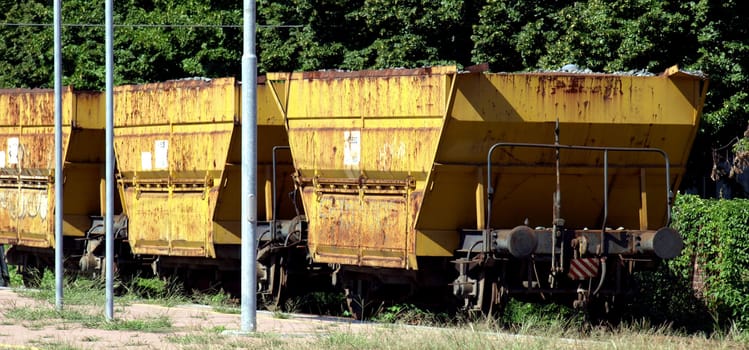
(12, 150)
(161, 154)
(351, 147)
(145, 161)
(2, 159)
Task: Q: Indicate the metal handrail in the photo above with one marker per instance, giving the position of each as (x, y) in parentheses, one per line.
(557, 146)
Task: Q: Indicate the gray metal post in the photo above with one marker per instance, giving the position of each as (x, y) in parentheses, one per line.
(109, 150)
(57, 8)
(249, 170)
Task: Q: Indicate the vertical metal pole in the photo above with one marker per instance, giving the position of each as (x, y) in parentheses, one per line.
(249, 170)
(57, 8)
(109, 150)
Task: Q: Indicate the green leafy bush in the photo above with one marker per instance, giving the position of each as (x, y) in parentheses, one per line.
(716, 253)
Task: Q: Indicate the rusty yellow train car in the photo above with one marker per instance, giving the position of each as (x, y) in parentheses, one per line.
(520, 180)
(178, 151)
(178, 154)
(27, 163)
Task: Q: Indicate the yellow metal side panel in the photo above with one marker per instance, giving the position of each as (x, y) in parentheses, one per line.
(445, 202)
(190, 151)
(171, 141)
(181, 101)
(83, 196)
(167, 225)
(593, 110)
(90, 110)
(32, 213)
(8, 226)
(84, 165)
(34, 107)
(379, 126)
(436, 243)
(195, 153)
(389, 152)
(27, 164)
(577, 98)
(268, 110)
(25, 217)
(393, 97)
(379, 238)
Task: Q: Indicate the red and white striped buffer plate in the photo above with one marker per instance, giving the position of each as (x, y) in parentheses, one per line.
(583, 268)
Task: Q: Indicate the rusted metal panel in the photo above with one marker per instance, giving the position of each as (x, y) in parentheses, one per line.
(398, 93)
(27, 164)
(379, 239)
(171, 144)
(175, 223)
(176, 102)
(25, 217)
(364, 144)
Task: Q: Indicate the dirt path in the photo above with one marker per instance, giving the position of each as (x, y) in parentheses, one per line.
(192, 327)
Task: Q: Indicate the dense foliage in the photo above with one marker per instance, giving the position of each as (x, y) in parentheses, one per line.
(141, 53)
(716, 253)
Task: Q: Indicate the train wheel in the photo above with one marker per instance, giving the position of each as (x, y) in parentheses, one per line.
(277, 280)
(4, 275)
(489, 299)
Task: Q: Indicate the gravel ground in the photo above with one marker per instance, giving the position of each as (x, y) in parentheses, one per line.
(192, 327)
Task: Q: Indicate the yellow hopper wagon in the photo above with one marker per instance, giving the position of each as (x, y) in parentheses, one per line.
(27, 169)
(488, 185)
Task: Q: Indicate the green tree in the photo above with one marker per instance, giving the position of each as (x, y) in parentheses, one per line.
(723, 53)
(25, 52)
(509, 34)
(410, 33)
(142, 53)
(337, 34)
(595, 34)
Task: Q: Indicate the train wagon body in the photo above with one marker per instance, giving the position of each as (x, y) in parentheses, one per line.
(178, 158)
(178, 150)
(528, 183)
(27, 169)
